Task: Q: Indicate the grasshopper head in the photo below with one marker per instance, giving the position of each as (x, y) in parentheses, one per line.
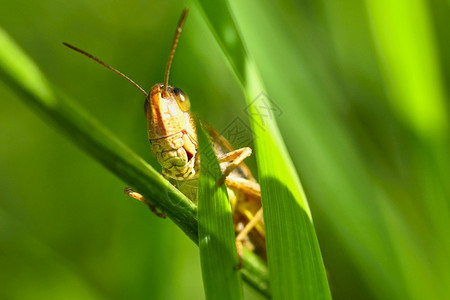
(168, 113)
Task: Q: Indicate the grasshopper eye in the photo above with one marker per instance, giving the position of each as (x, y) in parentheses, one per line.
(182, 99)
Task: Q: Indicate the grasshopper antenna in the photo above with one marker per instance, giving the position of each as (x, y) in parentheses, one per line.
(174, 47)
(108, 67)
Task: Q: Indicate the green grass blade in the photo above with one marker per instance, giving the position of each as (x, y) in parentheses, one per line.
(25, 78)
(216, 236)
(20, 73)
(295, 262)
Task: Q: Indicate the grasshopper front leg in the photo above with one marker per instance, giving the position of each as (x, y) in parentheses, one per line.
(129, 191)
(235, 158)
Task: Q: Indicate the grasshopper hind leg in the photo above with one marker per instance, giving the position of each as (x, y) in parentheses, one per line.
(129, 191)
(242, 237)
(251, 211)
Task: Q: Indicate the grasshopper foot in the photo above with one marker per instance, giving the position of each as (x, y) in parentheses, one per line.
(129, 191)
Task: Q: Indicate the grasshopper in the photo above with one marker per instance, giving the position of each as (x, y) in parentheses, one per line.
(173, 141)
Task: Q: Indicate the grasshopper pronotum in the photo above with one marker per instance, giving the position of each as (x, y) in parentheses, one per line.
(173, 140)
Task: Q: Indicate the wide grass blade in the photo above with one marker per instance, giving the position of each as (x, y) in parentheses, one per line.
(295, 263)
(408, 55)
(20, 73)
(218, 255)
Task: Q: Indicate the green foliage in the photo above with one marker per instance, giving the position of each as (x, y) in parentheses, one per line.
(362, 87)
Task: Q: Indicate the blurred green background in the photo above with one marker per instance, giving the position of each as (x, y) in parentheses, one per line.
(362, 87)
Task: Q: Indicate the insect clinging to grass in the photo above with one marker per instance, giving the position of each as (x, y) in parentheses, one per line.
(173, 141)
